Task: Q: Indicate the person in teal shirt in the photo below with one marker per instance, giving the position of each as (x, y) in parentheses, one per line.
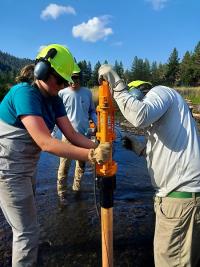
(24, 99)
(28, 114)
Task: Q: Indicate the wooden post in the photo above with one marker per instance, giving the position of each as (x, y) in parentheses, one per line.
(107, 237)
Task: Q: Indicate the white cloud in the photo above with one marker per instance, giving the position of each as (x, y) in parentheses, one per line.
(158, 4)
(93, 30)
(53, 11)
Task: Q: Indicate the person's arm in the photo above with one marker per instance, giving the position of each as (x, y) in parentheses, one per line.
(28, 106)
(65, 125)
(144, 113)
(38, 130)
(75, 138)
(139, 113)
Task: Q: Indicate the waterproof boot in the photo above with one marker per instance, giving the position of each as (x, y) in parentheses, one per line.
(76, 185)
(79, 171)
(62, 191)
(61, 187)
(63, 200)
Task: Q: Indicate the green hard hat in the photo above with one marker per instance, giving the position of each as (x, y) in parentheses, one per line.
(62, 63)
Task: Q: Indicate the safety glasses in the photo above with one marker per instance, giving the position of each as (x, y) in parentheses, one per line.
(75, 79)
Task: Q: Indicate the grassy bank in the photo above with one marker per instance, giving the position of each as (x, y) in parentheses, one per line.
(192, 93)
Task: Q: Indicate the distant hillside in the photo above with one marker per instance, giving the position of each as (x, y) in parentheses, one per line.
(9, 67)
(9, 62)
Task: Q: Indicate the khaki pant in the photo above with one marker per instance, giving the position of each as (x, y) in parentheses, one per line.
(177, 232)
(18, 206)
(19, 155)
(63, 173)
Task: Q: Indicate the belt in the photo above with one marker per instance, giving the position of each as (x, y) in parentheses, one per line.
(178, 194)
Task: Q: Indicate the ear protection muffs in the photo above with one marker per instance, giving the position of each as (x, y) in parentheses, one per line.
(43, 67)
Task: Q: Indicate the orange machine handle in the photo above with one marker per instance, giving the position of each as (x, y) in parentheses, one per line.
(106, 127)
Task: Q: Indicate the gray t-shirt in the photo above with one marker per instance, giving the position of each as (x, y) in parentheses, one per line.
(79, 107)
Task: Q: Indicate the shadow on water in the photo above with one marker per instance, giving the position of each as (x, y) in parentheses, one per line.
(70, 236)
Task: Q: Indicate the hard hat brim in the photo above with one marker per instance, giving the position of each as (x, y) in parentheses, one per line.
(76, 68)
(69, 79)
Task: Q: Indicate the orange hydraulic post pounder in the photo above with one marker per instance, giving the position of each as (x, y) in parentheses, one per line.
(106, 127)
(106, 173)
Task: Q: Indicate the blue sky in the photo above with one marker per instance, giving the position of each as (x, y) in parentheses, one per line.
(99, 30)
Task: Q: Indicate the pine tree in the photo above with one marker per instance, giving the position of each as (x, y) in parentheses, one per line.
(94, 79)
(118, 67)
(140, 70)
(134, 72)
(172, 75)
(121, 70)
(146, 75)
(89, 71)
(162, 71)
(154, 73)
(127, 76)
(86, 72)
(187, 70)
(196, 64)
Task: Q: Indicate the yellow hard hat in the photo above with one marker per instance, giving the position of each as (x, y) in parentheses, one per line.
(137, 83)
(76, 68)
(62, 62)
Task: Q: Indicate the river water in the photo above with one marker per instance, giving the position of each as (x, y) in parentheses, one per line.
(70, 235)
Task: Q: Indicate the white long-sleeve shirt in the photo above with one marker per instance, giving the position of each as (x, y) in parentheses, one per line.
(173, 146)
(79, 107)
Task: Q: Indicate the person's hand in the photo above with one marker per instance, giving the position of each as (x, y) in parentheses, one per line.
(101, 154)
(131, 143)
(107, 73)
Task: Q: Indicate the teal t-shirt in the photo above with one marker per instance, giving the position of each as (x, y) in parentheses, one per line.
(24, 99)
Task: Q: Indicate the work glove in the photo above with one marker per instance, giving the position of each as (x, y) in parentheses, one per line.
(131, 143)
(107, 73)
(101, 154)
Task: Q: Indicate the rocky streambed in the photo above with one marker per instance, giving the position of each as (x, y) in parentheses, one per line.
(70, 236)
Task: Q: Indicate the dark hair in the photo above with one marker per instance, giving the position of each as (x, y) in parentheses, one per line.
(26, 74)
